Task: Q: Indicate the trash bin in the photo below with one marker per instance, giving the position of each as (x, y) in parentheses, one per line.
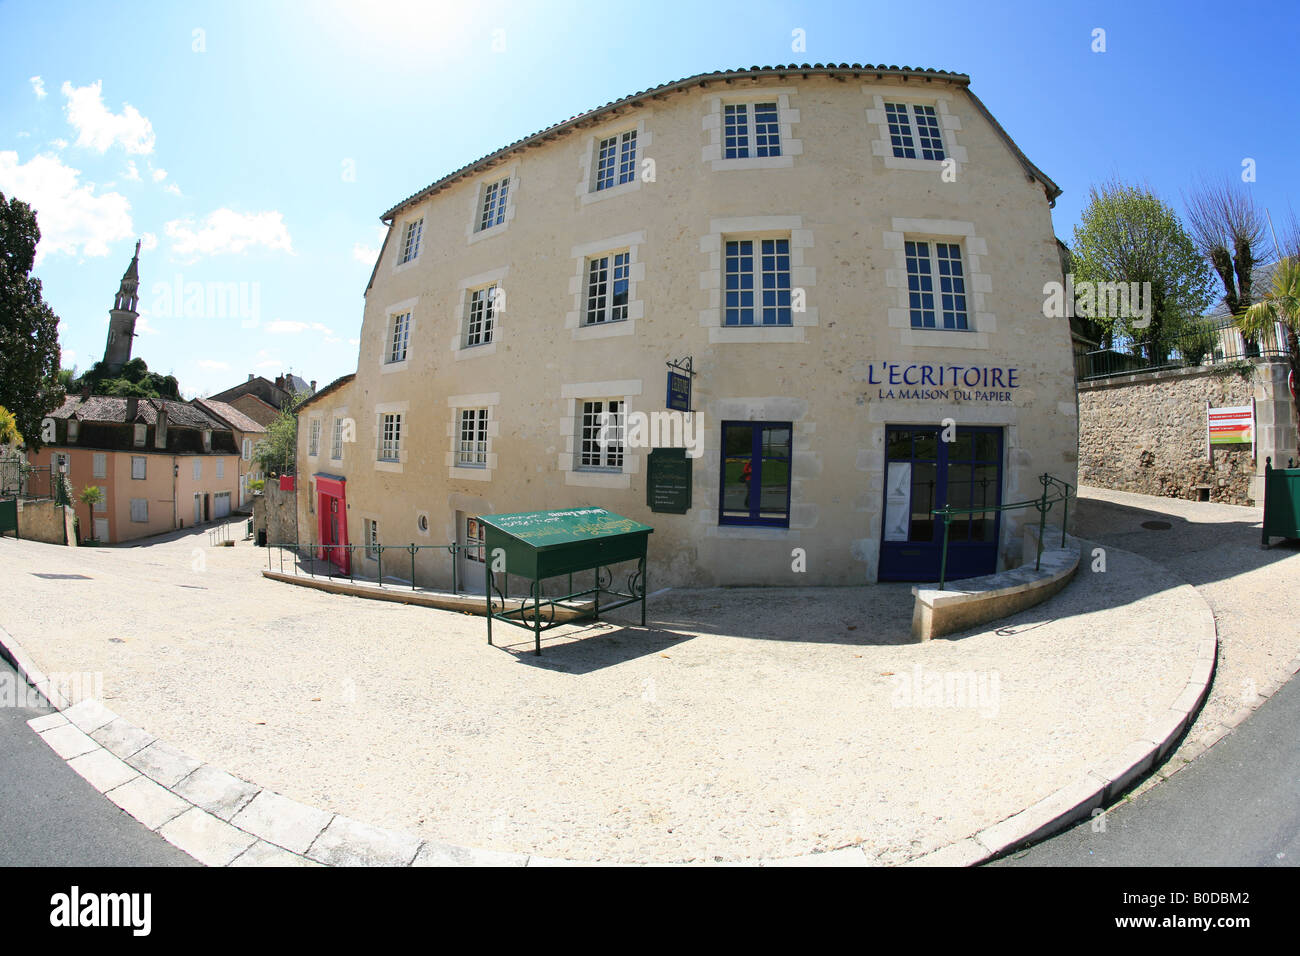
(261, 538)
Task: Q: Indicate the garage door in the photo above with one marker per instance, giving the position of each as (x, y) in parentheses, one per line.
(221, 504)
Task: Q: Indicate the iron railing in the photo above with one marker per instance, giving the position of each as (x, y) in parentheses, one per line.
(18, 479)
(317, 554)
(1200, 347)
(1054, 491)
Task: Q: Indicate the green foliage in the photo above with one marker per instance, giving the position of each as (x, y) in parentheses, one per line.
(29, 329)
(9, 433)
(278, 451)
(1196, 342)
(91, 495)
(134, 380)
(1128, 234)
(257, 485)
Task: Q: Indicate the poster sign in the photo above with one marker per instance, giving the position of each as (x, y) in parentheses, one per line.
(668, 481)
(679, 391)
(1233, 425)
(898, 500)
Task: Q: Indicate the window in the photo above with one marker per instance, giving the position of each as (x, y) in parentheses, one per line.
(494, 205)
(140, 435)
(221, 467)
(313, 438)
(198, 469)
(773, 305)
(474, 540)
(370, 532)
(607, 294)
(401, 335)
(913, 129)
(101, 505)
(390, 438)
(138, 467)
(601, 431)
(74, 426)
(472, 449)
(248, 449)
(925, 260)
(411, 241)
(139, 509)
(755, 480)
(336, 443)
(101, 465)
(478, 324)
(750, 129)
(207, 439)
(616, 160)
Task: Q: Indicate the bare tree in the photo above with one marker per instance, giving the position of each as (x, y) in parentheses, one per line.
(1230, 232)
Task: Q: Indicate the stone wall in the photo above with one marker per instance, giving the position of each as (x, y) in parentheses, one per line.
(46, 521)
(1146, 433)
(276, 512)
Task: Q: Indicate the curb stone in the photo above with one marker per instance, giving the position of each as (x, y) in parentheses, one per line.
(222, 820)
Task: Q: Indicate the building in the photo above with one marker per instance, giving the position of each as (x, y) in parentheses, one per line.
(850, 261)
(246, 433)
(161, 464)
(121, 318)
(275, 395)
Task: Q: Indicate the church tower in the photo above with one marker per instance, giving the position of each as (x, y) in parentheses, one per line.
(121, 318)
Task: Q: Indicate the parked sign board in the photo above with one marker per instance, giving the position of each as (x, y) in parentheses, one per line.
(1233, 425)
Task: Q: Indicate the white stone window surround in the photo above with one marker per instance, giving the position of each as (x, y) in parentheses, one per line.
(787, 117)
(392, 408)
(805, 464)
(572, 396)
(979, 284)
(316, 424)
(631, 244)
(473, 233)
(465, 289)
(801, 277)
(587, 192)
(490, 401)
(949, 126)
(416, 215)
(390, 314)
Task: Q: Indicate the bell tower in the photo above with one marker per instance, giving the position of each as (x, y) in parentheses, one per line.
(121, 318)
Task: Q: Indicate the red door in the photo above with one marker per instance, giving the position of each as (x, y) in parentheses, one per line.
(332, 516)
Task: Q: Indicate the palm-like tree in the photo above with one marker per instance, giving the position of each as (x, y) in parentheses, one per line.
(1280, 304)
(90, 496)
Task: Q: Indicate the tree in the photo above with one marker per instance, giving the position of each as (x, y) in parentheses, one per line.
(1228, 229)
(278, 451)
(1281, 304)
(29, 329)
(132, 380)
(90, 496)
(1127, 234)
(9, 433)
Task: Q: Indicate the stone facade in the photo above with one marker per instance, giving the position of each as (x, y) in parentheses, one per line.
(276, 513)
(46, 521)
(848, 208)
(1146, 433)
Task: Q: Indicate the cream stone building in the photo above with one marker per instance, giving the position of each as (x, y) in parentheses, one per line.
(851, 258)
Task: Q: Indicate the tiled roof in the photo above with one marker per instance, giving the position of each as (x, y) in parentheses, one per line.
(331, 387)
(112, 409)
(231, 414)
(702, 79)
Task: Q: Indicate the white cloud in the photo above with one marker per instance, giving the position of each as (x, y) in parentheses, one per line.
(159, 175)
(354, 341)
(132, 173)
(283, 327)
(208, 363)
(39, 86)
(173, 189)
(72, 218)
(227, 231)
(148, 242)
(98, 127)
(365, 254)
(271, 363)
(142, 326)
(59, 144)
(67, 358)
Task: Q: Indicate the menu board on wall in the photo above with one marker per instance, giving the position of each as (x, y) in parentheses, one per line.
(898, 500)
(668, 481)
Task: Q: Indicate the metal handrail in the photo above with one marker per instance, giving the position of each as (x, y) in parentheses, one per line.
(1054, 490)
(378, 550)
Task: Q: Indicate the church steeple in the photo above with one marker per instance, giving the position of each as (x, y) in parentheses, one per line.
(121, 318)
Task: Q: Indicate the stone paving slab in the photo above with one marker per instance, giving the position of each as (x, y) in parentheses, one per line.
(211, 841)
(216, 791)
(164, 763)
(103, 770)
(122, 738)
(68, 741)
(349, 843)
(151, 804)
(284, 822)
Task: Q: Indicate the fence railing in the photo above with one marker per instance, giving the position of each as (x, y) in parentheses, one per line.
(21, 480)
(1204, 347)
(320, 561)
(1054, 491)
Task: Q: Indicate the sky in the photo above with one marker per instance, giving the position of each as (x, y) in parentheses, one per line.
(252, 146)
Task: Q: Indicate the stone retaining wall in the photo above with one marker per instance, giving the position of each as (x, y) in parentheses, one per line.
(46, 521)
(1146, 433)
(276, 512)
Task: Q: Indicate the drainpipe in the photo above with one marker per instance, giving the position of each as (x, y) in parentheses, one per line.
(176, 469)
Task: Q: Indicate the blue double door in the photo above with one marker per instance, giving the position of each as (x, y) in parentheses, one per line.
(922, 473)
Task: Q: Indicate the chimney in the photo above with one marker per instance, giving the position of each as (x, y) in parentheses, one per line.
(250, 376)
(313, 385)
(279, 381)
(85, 392)
(132, 408)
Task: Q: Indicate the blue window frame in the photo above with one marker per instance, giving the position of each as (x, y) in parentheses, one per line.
(907, 128)
(737, 143)
(773, 282)
(754, 486)
(735, 131)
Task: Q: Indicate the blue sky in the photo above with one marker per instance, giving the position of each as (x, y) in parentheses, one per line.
(257, 143)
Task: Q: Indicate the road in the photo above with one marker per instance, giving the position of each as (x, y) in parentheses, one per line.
(50, 816)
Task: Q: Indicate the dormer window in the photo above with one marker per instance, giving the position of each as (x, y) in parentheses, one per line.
(140, 435)
(207, 439)
(160, 431)
(74, 427)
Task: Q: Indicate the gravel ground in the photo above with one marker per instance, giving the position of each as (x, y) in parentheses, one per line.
(741, 724)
